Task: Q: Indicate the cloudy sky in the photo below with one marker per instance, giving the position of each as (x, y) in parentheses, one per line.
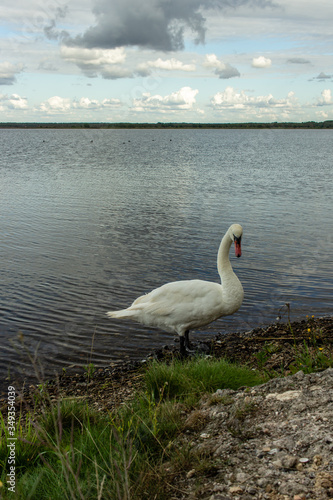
(166, 60)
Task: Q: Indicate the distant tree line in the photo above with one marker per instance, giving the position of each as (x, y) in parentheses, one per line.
(174, 125)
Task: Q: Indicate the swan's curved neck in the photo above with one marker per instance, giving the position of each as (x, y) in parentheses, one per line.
(223, 263)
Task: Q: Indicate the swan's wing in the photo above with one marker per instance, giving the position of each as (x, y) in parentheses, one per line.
(159, 302)
(177, 292)
(192, 301)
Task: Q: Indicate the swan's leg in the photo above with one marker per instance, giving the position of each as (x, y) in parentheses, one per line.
(187, 339)
(184, 345)
(182, 348)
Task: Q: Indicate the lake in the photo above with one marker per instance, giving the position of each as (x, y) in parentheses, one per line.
(91, 219)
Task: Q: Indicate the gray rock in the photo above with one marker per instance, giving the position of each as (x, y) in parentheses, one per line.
(262, 435)
(288, 461)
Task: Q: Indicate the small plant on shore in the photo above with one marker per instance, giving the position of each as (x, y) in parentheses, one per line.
(312, 355)
(265, 354)
(90, 370)
(237, 419)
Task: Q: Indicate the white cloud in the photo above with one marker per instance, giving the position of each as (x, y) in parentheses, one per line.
(86, 103)
(59, 105)
(326, 98)
(111, 103)
(231, 99)
(14, 101)
(55, 104)
(183, 99)
(164, 64)
(17, 102)
(93, 57)
(211, 61)
(322, 115)
(107, 62)
(223, 70)
(114, 72)
(8, 72)
(261, 62)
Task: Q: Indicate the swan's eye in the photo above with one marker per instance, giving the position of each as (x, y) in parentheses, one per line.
(237, 239)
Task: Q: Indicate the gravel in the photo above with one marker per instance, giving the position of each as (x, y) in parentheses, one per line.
(273, 441)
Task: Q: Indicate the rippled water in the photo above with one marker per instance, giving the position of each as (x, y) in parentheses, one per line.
(92, 219)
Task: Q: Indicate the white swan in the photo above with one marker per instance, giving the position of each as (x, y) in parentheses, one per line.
(180, 306)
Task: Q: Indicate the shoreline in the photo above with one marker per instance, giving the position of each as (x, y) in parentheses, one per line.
(264, 348)
(265, 435)
(327, 124)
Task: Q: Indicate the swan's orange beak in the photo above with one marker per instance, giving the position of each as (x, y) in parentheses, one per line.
(238, 248)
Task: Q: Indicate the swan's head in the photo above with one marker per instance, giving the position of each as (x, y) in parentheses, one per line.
(235, 233)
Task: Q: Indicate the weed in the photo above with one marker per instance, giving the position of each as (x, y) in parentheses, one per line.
(236, 423)
(264, 355)
(90, 370)
(312, 355)
(310, 358)
(215, 399)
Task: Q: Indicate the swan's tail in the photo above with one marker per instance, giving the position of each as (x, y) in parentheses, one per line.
(124, 313)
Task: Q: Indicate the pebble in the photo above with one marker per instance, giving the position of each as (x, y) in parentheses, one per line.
(241, 477)
(236, 490)
(289, 461)
(285, 396)
(190, 474)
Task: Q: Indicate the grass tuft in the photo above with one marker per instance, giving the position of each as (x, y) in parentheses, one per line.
(188, 380)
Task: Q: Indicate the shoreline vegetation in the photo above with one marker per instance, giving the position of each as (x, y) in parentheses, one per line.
(224, 422)
(328, 124)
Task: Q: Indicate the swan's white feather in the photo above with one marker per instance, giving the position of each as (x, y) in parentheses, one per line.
(177, 306)
(183, 305)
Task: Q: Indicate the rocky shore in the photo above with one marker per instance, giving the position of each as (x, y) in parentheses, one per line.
(273, 441)
(270, 348)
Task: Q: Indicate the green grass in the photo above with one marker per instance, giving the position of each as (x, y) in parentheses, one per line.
(187, 381)
(71, 451)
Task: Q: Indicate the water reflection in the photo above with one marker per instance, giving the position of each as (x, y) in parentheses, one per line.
(88, 227)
